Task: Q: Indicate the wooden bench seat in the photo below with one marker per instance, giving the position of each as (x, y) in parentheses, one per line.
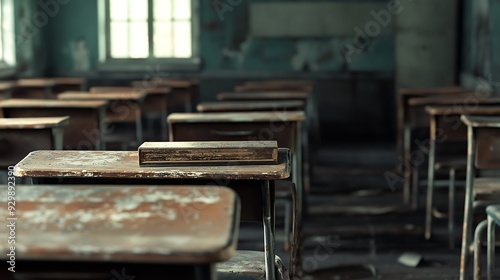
(101, 229)
(86, 124)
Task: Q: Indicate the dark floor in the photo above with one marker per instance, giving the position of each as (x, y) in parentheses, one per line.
(380, 229)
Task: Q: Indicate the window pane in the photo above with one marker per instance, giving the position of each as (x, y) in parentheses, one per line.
(118, 9)
(163, 39)
(139, 47)
(182, 9)
(138, 9)
(119, 39)
(182, 39)
(163, 9)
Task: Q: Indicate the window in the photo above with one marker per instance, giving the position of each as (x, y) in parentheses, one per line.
(148, 30)
(7, 38)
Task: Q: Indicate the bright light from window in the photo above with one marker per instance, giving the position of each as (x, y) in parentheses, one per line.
(170, 22)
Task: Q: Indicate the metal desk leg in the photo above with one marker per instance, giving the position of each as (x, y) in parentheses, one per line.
(490, 270)
(451, 210)
(268, 232)
(430, 180)
(406, 160)
(468, 211)
(477, 249)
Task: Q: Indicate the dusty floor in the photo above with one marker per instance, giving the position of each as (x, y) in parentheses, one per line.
(337, 243)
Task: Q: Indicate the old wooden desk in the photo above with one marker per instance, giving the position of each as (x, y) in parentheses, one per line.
(34, 88)
(86, 125)
(123, 107)
(19, 137)
(415, 116)
(272, 85)
(184, 92)
(481, 188)
(283, 127)
(6, 90)
(243, 106)
(63, 84)
(264, 95)
(155, 104)
(254, 183)
(105, 231)
(446, 129)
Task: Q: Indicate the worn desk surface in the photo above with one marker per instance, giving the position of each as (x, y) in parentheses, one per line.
(137, 89)
(123, 223)
(264, 95)
(64, 81)
(174, 83)
(462, 99)
(235, 106)
(7, 85)
(38, 83)
(432, 91)
(118, 164)
(481, 121)
(33, 123)
(237, 117)
(74, 95)
(40, 103)
(454, 110)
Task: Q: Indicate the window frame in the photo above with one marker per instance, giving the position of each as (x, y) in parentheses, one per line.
(108, 63)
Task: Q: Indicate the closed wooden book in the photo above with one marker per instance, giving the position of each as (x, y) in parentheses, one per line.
(208, 153)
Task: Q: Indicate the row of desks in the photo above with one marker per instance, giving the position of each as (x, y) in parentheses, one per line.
(463, 136)
(255, 183)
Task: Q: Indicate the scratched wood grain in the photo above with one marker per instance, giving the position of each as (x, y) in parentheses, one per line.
(123, 223)
(125, 164)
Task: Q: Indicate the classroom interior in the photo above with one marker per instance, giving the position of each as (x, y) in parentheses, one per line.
(246, 139)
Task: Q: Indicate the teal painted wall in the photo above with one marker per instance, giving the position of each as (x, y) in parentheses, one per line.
(495, 41)
(224, 45)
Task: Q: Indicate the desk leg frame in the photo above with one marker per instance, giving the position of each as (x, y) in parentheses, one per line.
(268, 224)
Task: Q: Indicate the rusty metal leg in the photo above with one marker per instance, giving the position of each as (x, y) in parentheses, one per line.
(490, 270)
(430, 180)
(268, 232)
(451, 210)
(477, 249)
(468, 211)
(295, 238)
